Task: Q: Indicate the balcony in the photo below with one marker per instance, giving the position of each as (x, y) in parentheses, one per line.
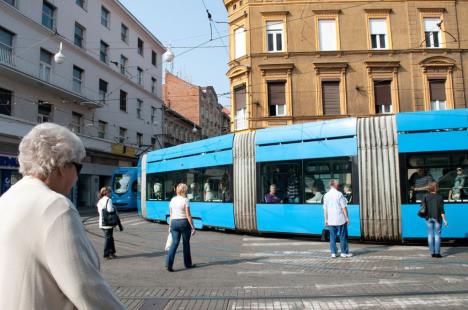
(20, 69)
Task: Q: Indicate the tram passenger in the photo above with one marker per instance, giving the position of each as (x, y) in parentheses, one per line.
(46, 258)
(435, 215)
(419, 182)
(336, 218)
(271, 197)
(181, 225)
(458, 188)
(348, 193)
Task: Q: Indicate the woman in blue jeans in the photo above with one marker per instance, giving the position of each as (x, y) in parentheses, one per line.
(181, 225)
(434, 217)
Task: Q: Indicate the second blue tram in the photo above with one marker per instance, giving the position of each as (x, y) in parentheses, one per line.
(378, 161)
(124, 188)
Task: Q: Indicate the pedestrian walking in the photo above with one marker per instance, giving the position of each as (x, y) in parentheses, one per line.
(105, 203)
(336, 218)
(46, 258)
(435, 215)
(181, 225)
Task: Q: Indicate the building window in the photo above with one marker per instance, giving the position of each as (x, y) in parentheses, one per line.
(81, 3)
(44, 112)
(6, 98)
(77, 79)
(140, 75)
(11, 2)
(105, 17)
(153, 143)
(45, 65)
(383, 96)
(141, 47)
(48, 15)
(274, 36)
(122, 134)
(139, 108)
(102, 129)
(153, 86)
(123, 65)
(331, 97)
(123, 101)
(6, 46)
(103, 85)
(378, 33)
(139, 139)
(103, 52)
(153, 115)
(124, 33)
(79, 35)
(432, 33)
(277, 98)
(327, 34)
(76, 122)
(239, 42)
(438, 95)
(240, 98)
(154, 58)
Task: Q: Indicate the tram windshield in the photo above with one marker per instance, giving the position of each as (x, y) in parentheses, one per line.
(121, 182)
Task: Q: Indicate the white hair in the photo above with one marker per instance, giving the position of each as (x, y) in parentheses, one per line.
(46, 147)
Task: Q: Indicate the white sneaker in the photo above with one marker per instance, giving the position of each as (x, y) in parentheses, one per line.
(346, 255)
(333, 255)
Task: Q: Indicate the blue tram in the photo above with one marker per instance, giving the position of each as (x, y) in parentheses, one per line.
(124, 188)
(380, 161)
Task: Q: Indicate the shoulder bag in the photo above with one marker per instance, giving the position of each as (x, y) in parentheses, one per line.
(109, 218)
(422, 212)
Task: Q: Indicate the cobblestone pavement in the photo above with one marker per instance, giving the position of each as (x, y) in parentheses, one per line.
(237, 271)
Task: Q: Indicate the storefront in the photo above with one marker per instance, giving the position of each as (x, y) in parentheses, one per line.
(9, 173)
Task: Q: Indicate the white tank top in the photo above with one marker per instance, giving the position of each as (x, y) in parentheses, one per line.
(178, 205)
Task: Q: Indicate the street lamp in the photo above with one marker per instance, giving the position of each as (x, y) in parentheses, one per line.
(59, 57)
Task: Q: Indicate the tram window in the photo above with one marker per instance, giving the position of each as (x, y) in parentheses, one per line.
(171, 181)
(449, 170)
(319, 172)
(121, 181)
(281, 182)
(216, 186)
(193, 178)
(155, 187)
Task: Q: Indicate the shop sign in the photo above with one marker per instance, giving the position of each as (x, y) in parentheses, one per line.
(8, 162)
(120, 149)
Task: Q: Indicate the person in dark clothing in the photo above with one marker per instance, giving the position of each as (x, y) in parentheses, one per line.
(435, 215)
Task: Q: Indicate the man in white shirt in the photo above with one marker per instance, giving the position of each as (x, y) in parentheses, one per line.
(336, 218)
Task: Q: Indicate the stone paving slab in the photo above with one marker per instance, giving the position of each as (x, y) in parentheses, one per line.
(237, 271)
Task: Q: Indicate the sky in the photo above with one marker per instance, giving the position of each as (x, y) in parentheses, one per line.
(184, 23)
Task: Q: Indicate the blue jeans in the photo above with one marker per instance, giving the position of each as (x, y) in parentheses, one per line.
(433, 235)
(179, 228)
(343, 232)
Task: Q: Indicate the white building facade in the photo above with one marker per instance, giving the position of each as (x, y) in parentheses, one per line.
(107, 89)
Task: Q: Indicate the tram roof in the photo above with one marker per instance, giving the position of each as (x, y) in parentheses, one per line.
(343, 127)
(198, 147)
(432, 120)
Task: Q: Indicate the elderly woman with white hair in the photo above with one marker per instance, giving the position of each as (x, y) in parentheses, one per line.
(46, 258)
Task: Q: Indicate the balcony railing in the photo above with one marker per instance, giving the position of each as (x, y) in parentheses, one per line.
(23, 65)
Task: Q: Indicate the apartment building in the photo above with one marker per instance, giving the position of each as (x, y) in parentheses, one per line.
(179, 129)
(106, 89)
(196, 103)
(294, 61)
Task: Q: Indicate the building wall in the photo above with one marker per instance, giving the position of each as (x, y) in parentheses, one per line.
(178, 129)
(406, 62)
(21, 76)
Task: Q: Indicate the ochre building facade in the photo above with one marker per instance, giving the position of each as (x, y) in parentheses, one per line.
(293, 61)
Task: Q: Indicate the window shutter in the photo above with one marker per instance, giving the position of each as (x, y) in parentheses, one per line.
(331, 97)
(276, 95)
(437, 90)
(382, 92)
(378, 26)
(327, 34)
(240, 97)
(239, 37)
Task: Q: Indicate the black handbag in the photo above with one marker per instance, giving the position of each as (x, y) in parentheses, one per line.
(422, 212)
(109, 218)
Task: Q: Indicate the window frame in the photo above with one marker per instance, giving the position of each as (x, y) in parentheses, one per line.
(102, 92)
(102, 129)
(139, 108)
(154, 58)
(240, 52)
(124, 35)
(272, 17)
(379, 14)
(45, 68)
(107, 17)
(82, 4)
(104, 52)
(78, 81)
(6, 108)
(122, 134)
(123, 65)
(53, 8)
(123, 100)
(327, 15)
(140, 78)
(75, 35)
(76, 127)
(141, 49)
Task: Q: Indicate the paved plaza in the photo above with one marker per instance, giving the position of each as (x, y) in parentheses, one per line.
(236, 271)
